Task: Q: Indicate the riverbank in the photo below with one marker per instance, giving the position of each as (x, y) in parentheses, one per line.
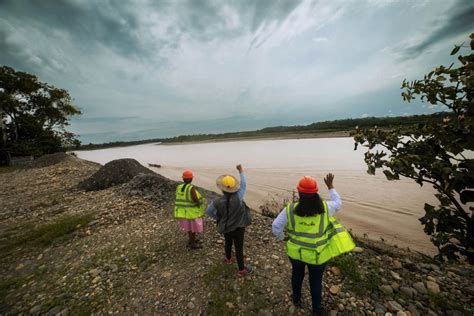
(67, 251)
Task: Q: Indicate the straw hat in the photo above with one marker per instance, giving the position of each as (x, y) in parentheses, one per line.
(228, 183)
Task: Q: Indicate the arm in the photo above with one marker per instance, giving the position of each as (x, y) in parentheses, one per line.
(279, 224)
(194, 196)
(211, 211)
(243, 183)
(335, 202)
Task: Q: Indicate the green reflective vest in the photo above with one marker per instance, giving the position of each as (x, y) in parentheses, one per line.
(315, 239)
(184, 206)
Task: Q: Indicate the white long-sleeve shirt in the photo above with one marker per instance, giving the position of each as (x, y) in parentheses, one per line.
(281, 220)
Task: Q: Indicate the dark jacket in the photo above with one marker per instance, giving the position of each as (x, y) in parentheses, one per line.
(229, 219)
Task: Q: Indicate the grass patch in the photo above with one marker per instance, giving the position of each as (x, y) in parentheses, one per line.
(6, 169)
(9, 284)
(359, 281)
(228, 291)
(44, 234)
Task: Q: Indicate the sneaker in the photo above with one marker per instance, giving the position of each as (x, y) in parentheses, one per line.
(245, 271)
(298, 303)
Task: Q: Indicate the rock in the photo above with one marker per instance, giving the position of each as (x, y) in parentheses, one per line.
(95, 272)
(430, 278)
(190, 305)
(469, 290)
(454, 313)
(230, 305)
(166, 275)
(397, 264)
(357, 250)
(395, 286)
(388, 314)
(36, 309)
(413, 310)
(379, 308)
(40, 256)
(96, 279)
(386, 289)
(408, 291)
(114, 267)
(335, 270)
(55, 310)
(420, 287)
(332, 313)
(401, 313)
(275, 257)
(394, 306)
(432, 287)
(395, 275)
(292, 309)
(335, 289)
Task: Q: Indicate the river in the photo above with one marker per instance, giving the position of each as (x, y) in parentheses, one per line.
(372, 205)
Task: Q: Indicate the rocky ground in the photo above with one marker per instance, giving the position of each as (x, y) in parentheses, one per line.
(118, 250)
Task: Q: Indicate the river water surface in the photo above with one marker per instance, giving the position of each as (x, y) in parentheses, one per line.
(372, 205)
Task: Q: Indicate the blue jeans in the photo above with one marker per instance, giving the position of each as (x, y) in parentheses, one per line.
(315, 282)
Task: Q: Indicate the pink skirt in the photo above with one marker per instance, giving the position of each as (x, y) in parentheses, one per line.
(191, 225)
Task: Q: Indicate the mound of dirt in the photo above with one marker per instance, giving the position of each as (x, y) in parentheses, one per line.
(114, 173)
(156, 188)
(51, 159)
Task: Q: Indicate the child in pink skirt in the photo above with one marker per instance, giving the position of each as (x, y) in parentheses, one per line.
(189, 209)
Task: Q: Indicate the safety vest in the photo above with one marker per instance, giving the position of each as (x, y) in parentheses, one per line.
(315, 239)
(184, 206)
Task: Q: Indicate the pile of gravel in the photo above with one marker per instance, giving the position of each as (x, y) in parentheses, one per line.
(49, 160)
(157, 189)
(153, 187)
(114, 173)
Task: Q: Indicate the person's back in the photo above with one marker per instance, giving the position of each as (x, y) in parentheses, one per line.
(231, 213)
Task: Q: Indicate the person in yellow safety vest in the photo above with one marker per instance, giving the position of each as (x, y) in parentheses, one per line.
(189, 209)
(314, 237)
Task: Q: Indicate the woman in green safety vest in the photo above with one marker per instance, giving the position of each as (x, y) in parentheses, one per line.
(189, 209)
(314, 237)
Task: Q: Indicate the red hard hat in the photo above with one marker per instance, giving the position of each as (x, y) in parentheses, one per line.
(307, 184)
(187, 174)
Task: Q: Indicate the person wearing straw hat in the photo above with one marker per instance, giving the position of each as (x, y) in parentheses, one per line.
(189, 209)
(232, 216)
(314, 236)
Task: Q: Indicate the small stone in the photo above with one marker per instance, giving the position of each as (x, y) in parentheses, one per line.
(332, 313)
(395, 286)
(275, 257)
(401, 313)
(395, 275)
(166, 275)
(20, 266)
(96, 279)
(386, 289)
(292, 309)
(408, 291)
(430, 278)
(469, 290)
(190, 305)
(357, 250)
(394, 306)
(335, 270)
(388, 314)
(335, 289)
(36, 309)
(230, 305)
(340, 307)
(413, 310)
(220, 241)
(114, 267)
(54, 311)
(420, 287)
(40, 256)
(397, 264)
(379, 308)
(454, 313)
(432, 287)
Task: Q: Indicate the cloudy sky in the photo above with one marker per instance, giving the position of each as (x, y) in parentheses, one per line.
(149, 69)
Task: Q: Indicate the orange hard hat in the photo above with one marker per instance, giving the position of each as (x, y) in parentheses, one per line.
(307, 184)
(187, 174)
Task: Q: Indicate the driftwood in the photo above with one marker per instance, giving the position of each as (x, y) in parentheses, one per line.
(154, 165)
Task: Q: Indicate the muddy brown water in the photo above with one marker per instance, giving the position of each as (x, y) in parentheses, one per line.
(372, 205)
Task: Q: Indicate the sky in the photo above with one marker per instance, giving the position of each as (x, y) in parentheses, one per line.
(153, 69)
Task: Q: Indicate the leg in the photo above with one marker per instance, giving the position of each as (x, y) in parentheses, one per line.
(190, 238)
(239, 246)
(316, 285)
(228, 245)
(297, 276)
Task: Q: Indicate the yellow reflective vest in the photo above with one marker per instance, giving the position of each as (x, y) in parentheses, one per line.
(184, 206)
(315, 239)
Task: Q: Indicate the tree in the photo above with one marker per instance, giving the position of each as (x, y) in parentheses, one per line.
(34, 114)
(436, 153)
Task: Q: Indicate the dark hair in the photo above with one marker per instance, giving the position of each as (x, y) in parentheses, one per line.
(309, 205)
(186, 182)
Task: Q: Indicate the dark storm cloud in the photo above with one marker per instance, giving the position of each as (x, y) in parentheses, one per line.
(457, 21)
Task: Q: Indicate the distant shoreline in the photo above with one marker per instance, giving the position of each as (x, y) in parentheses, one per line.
(335, 134)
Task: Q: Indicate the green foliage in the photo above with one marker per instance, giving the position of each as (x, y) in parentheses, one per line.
(435, 152)
(33, 114)
(44, 234)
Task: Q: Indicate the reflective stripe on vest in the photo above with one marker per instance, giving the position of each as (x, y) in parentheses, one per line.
(184, 206)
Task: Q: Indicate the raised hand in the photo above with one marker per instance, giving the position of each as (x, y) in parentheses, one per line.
(328, 180)
(239, 167)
